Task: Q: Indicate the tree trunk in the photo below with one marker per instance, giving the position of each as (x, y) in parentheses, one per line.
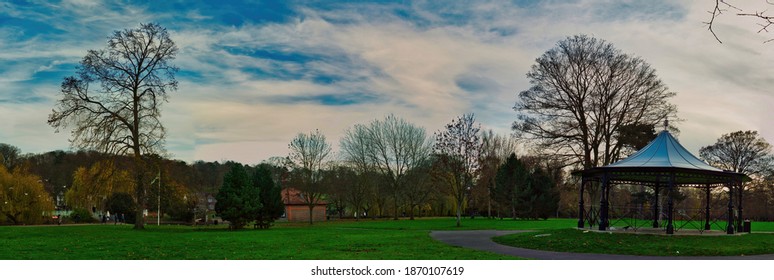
(13, 218)
(489, 203)
(311, 218)
(459, 214)
(395, 203)
(139, 222)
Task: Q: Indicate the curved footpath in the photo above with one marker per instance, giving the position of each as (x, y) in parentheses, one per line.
(482, 240)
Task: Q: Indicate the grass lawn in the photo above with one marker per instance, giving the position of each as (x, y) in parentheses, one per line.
(344, 240)
(362, 240)
(573, 240)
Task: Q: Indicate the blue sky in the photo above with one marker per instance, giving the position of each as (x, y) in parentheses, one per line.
(253, 74)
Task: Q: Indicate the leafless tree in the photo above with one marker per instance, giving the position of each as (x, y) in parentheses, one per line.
(9, 156)
(458, 148)
(583, 91)
(495, 149)
(114, 102)
(308, 154)
(420, 188)
(355, 152)
(740, 151)
(721, 6)
(392, 146)
(743, 152)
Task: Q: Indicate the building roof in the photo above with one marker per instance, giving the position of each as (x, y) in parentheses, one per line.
(291, 196)
(664, 151)
(661, 157)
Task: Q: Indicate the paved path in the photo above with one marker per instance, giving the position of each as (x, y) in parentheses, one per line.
(482, 240)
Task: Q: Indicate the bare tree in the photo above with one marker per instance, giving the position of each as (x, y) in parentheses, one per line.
(740, 151)
(308, 154)
(743, 152)
(583, 92)
(9, 156)
(355, 150)
(495, 149)
(420, 188)
(721, 6)
(392, 146)
(458, 149)
(114, 103)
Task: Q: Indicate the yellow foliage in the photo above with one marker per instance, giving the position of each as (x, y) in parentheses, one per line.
(92, 187)
(23, 199)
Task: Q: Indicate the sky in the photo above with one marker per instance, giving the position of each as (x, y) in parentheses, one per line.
(254, 74)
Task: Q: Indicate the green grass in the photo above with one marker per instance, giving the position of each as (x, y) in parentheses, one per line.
(580, 241)
(342, 240)
(363, 240)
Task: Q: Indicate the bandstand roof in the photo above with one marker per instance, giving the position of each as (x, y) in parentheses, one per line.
(665, 152)
(661, 157)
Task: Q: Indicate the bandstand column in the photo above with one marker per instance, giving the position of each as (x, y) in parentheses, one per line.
(655, 203)
(730, 226)
(604, 203)
(581, 207)
(740, 216)
(707, 209)
(670, 228)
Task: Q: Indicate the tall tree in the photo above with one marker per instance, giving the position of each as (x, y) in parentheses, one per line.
(634, 137)
(22, 197)
(270, 197)
(92, 186)
(423, 187)
(356, 152)
(339, 180)
(308, 154)
(740, 151)
(9, 156)
(583, 91)
(510, 180)
(458, 147)
(765, 20)
(495, 149)
(121, 113)
(238, 201)
(538, 198)
(392, 146)
(743, 152)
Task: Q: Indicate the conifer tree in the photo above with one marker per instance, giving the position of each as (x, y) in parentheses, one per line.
(510, 179)
(238, 201)
(270, 197)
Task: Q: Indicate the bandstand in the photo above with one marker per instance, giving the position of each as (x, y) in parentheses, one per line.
(663, 163)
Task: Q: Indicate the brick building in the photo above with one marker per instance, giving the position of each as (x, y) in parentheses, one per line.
(296, 209)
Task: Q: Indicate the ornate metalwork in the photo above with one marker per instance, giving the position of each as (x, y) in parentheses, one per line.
(663, 162)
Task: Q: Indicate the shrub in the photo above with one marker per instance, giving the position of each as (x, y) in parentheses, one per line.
(122, 203)
(80, 215)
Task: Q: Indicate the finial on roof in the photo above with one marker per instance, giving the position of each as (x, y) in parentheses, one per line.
(666, 124)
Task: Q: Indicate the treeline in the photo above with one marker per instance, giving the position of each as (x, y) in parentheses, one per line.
(388, 168)
(92, 183)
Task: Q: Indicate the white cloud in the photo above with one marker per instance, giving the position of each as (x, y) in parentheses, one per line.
(427, 69)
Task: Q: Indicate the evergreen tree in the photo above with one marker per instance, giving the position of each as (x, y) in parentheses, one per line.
(538, 199)
(238, 201)
(270, 197)
(510, 179)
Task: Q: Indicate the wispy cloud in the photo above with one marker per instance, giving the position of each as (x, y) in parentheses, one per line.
(253, 75)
